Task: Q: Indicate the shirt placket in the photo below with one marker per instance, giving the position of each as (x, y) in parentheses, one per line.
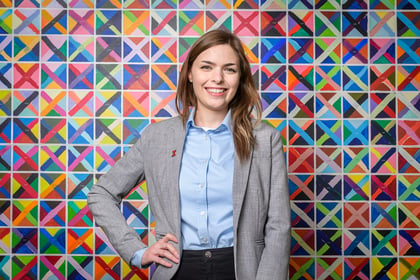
(203, 231)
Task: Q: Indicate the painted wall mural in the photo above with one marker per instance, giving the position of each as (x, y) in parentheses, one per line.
(340, 79)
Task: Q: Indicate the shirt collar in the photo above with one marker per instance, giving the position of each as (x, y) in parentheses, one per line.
(226, 123)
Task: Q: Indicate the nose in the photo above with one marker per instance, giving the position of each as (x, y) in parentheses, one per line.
(217, 76)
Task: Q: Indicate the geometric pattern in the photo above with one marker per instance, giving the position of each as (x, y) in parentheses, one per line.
(80, 80)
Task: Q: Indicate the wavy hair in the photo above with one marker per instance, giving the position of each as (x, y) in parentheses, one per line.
(245, 101)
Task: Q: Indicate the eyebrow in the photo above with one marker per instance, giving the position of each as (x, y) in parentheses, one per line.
(212, 63)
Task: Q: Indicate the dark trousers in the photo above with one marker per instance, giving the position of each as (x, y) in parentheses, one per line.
(212, 264)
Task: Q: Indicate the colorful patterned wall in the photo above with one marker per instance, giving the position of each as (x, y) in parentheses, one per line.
(340, 79)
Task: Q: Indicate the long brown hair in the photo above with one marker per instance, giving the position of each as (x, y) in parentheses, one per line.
(242, 105)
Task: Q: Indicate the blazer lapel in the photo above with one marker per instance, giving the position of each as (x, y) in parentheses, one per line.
(175, 148)
(240, 182)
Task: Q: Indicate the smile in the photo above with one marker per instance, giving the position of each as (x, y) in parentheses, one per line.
(216, 91)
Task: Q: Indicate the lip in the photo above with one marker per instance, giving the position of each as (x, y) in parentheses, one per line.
(216, 91)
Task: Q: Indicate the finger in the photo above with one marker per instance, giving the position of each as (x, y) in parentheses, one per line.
(168, 255)
(170, 237)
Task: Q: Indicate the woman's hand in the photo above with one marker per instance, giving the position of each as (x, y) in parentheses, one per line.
(161, 250)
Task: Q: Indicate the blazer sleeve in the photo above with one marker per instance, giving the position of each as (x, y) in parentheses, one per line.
(105, 197)
(274, 261)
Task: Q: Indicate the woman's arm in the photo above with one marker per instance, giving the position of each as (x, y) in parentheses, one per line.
(274, 262)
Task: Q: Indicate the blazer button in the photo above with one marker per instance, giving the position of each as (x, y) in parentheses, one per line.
(207, 254)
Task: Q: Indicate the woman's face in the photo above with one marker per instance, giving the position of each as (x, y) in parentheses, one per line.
(215, 77)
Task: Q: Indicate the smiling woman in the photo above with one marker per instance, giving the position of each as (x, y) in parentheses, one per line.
(216, 178)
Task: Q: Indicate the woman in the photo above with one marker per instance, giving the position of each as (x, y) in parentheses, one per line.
(216, 178)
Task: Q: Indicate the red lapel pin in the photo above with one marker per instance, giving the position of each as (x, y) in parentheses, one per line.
(173, 153)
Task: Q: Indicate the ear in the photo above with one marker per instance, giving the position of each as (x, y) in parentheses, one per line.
(189, 77)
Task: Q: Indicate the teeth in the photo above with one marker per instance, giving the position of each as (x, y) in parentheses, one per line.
(214, 90)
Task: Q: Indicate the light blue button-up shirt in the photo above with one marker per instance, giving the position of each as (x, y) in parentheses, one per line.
(205, 184)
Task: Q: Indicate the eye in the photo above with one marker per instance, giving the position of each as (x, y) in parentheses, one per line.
(205, 67)
(231, 70)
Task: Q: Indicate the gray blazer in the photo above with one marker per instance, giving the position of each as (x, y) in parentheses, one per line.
(261, 206)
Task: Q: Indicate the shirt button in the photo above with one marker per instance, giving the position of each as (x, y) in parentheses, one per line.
(204, 239)
(202, 213)
(207, 254)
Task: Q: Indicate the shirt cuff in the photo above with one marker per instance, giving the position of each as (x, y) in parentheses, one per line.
(136, 259)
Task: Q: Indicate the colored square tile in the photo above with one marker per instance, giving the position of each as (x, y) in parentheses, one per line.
(382, 5)
(164, 77)
(132, 129)
(408, 215)
(300, 23)
(79, 185)
(300, 50)
(5, 103)
(136, 49)
(136, 213)
(5, 183)
(80, 267)
(26, 48)
(354, 23)
(355, 51)
(191, 23)
(164, 22)
(25, 241)
(301, 160)
(5, 217)
(328, 187)
(108, 22)
(81, 48)
(327, 50)
(357, 268)
(329, 268)
(136, 4)
(303, 214)
(6, 133)
(302, 268)
(408, 78)
(108, 266)
(81, 21)
(80, 76)
(384, 215)
(301, 132)
(383, 160)
(135, 104)
(108, 131)
(106, 156)
(356, 215)
(328, 132)
(301, 187)
(108, 49)
(355, 105)
(382, 51)
(136, 23)
(383, 105)
(54, 21)
(356, 187)
(104, 4)
(356, 242)
(329, 242)
(80, 103)
(25, 76)
(108, 76)
(408, 51)
(355, 78)
(328, 105)
(273, 77)
(329, 214)
(408, 188)
(136, 76)
(327, 24)
(384, 242)
(383, 77)
(52, 186)
(25, 185)
(25, 21)
(303, 242)
(409, 242)
(80, 241)
(52, 214)
(102, 244)
(6, 75)
(356, 159)
(301, 104)
(52, 240)
(355, 132)
(53, 158)
(53, 48)
(273, 50)
(273, 23)
(382, 23)
(246, 23)
(108, 104)
(53, 131)
(6, 21)
(409, 266)
(25, 103)
(328, 78)
(80, 130)
(24, 266)
(164, 49)
(274, 105)
(218, 19)
(78, 214)
(80, 158)
(52, 266)
(25, 158)
(384, 268)
(6, 158)
(5, 246)
(408, 160)
(383, 187)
